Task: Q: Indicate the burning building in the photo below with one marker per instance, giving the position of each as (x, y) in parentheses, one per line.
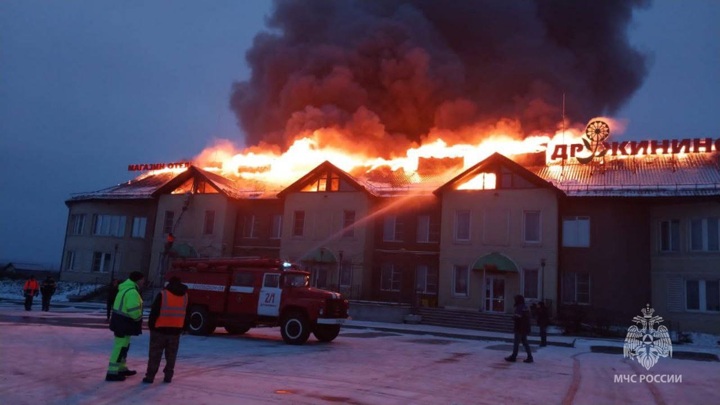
(419, 152)
(595, 238)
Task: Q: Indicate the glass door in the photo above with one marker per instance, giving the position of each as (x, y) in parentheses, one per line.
(494, 294)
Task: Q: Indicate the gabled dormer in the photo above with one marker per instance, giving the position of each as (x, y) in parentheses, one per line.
(198, 181)
(497, 172)
(326, 178)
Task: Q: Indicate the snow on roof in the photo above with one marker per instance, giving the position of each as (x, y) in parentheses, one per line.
(648, 176)
(141, 187)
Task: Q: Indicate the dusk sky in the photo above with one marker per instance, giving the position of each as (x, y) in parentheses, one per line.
(88, 87)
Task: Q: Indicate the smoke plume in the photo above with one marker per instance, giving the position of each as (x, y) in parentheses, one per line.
(391, 72)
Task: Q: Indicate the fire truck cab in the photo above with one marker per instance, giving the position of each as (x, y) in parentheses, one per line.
(242, 293)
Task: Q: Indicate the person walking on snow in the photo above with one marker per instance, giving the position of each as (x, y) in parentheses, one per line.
(521, 326)
(126, 321)
(30, 291)
(167, 320)
(47, 290)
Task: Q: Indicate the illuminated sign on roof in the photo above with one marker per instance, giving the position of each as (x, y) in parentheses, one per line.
(594, 146)
(140, 167)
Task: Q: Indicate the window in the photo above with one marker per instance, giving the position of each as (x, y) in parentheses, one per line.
(109, 225)
(531, 226)
(327, 181)
(389, 277)
(460, 280)
(392, 229)
(298, 223)
(139, 226)
(348, 224)
(425, 280)
(576, 288)
(271, 280)
(77, 224)
(250, 226)
(702, 295)
(168, 222)
(704, 235)
(483, 181)
(244, 279)
(69, 260)
(670, 235)
(209, 223)
(101, 262)
(276, 231)
(462, 225)
(576, 232)
(531, 283)
(423, 229)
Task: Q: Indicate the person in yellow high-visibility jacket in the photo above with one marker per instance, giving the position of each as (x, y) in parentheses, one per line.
(126, 321)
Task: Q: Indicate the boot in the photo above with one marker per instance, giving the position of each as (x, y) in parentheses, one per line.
(510, 359)
(127, 373)
(528, 360)
(114, 377)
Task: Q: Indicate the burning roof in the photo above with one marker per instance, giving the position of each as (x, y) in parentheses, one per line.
(648, 176)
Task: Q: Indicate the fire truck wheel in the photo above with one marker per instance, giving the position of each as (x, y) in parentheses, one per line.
(236, 329)
(200, 322)
(295, 329)
(326, 333)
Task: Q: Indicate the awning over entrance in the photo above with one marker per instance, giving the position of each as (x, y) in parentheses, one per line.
(495, 262)
(321, 255)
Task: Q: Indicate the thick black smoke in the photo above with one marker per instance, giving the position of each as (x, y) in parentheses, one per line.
(398, 68)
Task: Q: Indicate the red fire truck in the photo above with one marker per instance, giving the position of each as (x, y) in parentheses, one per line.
(242, 293)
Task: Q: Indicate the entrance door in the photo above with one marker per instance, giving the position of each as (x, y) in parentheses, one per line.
(494, 294)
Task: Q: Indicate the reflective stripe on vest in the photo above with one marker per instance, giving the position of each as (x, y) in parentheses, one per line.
(172, 311)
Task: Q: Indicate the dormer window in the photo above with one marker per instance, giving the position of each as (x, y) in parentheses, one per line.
(482, 181)
(327, 181)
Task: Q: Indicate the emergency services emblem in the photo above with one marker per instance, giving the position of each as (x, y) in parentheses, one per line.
(644, 342)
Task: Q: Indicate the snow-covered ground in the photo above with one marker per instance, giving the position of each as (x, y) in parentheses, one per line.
(60, 357)
(12, 289)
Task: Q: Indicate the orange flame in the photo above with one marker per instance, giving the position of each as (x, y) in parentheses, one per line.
(268, 165)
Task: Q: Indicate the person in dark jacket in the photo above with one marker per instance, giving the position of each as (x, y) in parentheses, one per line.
(543, 320)
(167, 321)
(521, 327)
(47, 289)
(112, 293)
(126, 321)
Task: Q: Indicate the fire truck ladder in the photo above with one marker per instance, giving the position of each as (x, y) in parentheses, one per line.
(164, 261)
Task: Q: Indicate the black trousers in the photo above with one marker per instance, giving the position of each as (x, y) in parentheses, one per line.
(28, 302)
(46, 302)
(543, 335)
(159, 343)
(521, 337)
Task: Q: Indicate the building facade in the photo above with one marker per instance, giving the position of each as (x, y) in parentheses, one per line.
(596, 241)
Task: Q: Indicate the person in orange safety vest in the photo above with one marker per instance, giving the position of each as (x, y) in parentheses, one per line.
(167, 321)
(30, 291)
